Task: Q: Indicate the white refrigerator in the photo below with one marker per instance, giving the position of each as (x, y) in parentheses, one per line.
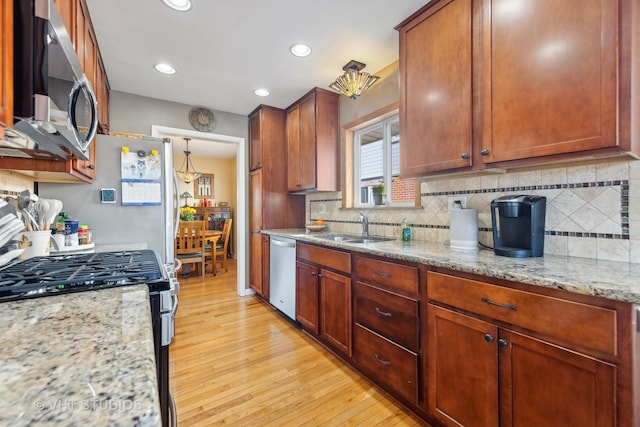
(141, 220)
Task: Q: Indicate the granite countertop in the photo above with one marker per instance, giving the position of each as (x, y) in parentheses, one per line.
(608, 279)
(80, 359)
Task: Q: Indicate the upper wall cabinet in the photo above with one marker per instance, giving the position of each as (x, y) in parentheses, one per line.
(435, 98)
(313, 134)
(6, 63)
(497, 83)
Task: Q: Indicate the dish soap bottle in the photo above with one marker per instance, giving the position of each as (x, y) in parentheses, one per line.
(406, 231)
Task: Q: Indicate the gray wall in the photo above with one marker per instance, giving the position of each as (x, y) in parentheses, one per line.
(135, 114)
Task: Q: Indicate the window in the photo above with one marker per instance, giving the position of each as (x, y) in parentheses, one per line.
(377, 166)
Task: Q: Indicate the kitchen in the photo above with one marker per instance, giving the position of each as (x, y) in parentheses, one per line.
(574, 190)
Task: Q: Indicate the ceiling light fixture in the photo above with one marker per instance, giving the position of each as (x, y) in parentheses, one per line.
(300, 50)
(261, 92)
(165, 68)
(179, 5)
(353, 82)
(184, 173)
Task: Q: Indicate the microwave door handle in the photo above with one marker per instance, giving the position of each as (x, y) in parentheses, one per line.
(83, 84)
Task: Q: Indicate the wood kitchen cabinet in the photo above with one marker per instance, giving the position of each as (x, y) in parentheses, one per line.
(485, 84)
(323, 295)
(6, 64)
(270, 205)
(313, 135)
(436, 91)
(504, 356)
(386, 325)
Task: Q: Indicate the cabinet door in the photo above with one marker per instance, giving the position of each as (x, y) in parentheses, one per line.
(436, 95)
(6, 63)
(307, 296)
(266, 265)
(255, 262)
(462, 369)
(335, 310)
(542, 384)
(67, 11)
(293, 149)
(255, 225)
(307, 172)
(255, 142)
(102, 95)
(549, 77)
(255, 201)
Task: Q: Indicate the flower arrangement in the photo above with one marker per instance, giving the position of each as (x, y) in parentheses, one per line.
(187, 213)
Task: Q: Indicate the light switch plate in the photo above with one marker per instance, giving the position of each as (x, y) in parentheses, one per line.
(107, 195)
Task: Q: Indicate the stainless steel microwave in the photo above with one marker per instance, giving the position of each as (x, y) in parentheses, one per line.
(54, 103)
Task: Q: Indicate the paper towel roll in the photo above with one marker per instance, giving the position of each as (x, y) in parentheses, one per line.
(464, 229)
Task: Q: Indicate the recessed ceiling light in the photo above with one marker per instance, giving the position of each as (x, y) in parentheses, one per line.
(165, 68)
(300, 49)
(261, 92)
(180, 5)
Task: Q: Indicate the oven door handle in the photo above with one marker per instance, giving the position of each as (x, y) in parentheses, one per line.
(168, 323)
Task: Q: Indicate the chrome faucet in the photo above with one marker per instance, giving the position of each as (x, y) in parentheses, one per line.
(365, 224)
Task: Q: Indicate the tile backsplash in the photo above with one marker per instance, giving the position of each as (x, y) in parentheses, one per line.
(593, 209)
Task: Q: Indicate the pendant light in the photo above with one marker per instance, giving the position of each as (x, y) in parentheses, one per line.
(184, 173)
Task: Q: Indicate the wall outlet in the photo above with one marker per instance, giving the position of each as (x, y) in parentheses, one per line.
(452, 199)
(322, 208)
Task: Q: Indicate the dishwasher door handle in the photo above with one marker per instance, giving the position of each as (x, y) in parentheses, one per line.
(281, 243)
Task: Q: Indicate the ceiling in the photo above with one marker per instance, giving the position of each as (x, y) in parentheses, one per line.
(223, 50)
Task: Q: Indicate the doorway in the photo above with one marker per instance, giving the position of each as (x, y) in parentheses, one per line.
(240, 217)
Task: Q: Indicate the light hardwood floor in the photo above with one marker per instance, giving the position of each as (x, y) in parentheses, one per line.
(236, 361)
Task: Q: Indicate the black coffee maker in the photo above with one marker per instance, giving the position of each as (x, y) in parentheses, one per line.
(518, 225)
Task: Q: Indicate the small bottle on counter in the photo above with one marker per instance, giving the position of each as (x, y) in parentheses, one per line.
(62, 217)
(406, 231)
(83, 234)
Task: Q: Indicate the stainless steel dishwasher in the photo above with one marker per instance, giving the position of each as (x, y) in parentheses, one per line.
(282, 275)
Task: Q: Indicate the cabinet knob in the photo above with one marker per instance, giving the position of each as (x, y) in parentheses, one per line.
(464, 156)
(488, 337)
(92, 167)
(298, 185)
(484, 152)
(502, 343)
(313, 273)
(320, 275)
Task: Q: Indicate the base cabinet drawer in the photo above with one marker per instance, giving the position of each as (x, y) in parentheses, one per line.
(389, 314)
(572, 323)
(386, 363)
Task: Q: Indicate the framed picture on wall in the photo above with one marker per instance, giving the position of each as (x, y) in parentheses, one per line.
(203, 187)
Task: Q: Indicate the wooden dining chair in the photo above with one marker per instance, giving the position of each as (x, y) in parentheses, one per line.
(222, 246)
(190, 243)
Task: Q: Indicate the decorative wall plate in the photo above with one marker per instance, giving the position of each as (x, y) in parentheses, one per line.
(202, 119)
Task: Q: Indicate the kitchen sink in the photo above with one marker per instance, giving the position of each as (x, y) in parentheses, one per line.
(353, 238)
(369, 240)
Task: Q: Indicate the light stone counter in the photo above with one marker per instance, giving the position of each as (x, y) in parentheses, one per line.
(79, 359)
(608, 279)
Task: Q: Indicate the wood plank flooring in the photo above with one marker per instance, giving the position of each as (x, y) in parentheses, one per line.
(235, 361)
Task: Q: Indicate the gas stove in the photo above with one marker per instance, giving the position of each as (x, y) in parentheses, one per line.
(57, 274)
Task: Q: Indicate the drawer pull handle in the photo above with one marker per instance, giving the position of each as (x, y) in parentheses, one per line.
(382, 273)
(507, 306)
(381, 361)
(384, 313)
